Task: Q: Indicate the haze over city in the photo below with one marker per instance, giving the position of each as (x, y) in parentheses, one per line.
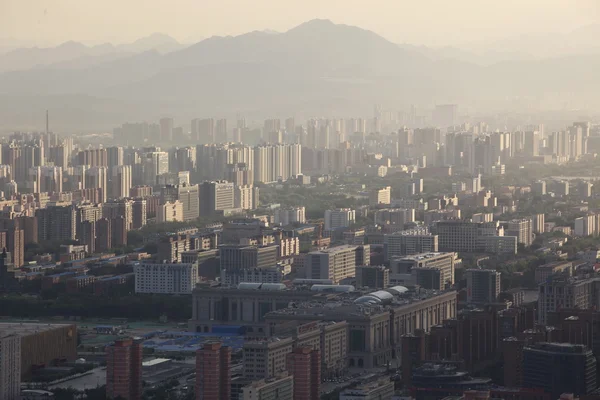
(299, 200)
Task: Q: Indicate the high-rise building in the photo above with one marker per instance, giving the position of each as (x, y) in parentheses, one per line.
(264, 359)
(93, 158)
(114, 209)
(305, 364)
(139, 213)
(428, 270)
(166, 129)
(244, 197)
(177, 278)
(539, 188)
(170, 212)
(559, 368)
(46, 179)
(539, 223)
(120, 181)
(10, 366)
(124, 369)
(275, 162)
(97, 178)
(372, 276)
(221, 129)
(522, 229)
(213, 372)
(561, 291)
(114, 156)
(290, 216)
(56, 223)
(586, 225)
(483, 285)
(409, 242)
(335, 263)
(154, 164)
(234, 257)
(380, 196)
(203, 130)
(339, 218)
(12, 238)
(216, 196)
(188, 195)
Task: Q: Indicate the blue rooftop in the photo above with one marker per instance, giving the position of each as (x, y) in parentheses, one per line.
(61, 274)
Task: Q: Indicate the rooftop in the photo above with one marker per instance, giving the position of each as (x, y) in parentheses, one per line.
(26, 329)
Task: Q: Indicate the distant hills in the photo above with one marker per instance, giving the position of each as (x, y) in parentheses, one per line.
(316, 68)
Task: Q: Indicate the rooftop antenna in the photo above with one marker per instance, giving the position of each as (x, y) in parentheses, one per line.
(46, 122)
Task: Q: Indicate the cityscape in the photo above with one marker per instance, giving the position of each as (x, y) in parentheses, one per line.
(262, 250)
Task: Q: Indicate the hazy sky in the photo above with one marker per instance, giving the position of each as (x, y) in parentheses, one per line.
(431, 22)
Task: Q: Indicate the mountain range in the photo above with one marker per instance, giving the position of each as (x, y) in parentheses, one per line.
(316, 68)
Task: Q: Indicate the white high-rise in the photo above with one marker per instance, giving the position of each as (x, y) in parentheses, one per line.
(165, 278)
(121, 181)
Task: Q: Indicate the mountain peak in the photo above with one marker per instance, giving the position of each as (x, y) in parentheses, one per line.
(314, 24)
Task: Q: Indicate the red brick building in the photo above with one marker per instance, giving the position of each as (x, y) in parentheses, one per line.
(305, 364)
(213, 372)
(124, 369)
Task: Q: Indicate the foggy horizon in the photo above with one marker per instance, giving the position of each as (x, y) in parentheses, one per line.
(433, 23)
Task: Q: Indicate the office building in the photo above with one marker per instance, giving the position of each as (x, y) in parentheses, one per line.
(409, 242)
(483, 286)
(216, 196)
(372, 276)
(124, 369)
(559, 368)
(380, 196)
(166, 278)
(10, 366)
(545, 271)
(522, 229)
(293, 215)
(473, 237)
(560, 291)
(304, 363)
(280, 387)
(428, 270)
(395, 218)
(339, 218)
(236, 257)
(266, 358)
(187, 195)
(335, 263)
(170, 212)
(213, 372)
(41, 344)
